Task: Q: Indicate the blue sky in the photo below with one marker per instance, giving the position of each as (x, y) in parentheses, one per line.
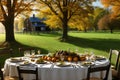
(97, 3)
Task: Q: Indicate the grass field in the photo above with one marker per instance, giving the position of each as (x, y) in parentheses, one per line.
(99, 43)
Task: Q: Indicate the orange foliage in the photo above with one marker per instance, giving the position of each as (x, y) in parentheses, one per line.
(13, 7)
(106, 3)
(67, 12)
(103, 22)
(114, 5)
(116, 11)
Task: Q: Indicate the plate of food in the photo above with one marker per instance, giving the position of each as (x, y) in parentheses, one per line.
(87, 63)
(99, 58)
(40, 61)
(44, 62)
(63, 64)
(16, 59)
(34, 56)
(25, 63)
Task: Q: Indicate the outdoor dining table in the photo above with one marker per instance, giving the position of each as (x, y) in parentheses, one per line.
(52, 71)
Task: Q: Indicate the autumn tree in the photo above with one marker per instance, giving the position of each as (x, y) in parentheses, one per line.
(20, 23)
(80, 23)
(65, 10)
(9, 9)
(114, 24)
(76, 22)
(51, 20)
(106, 23)
(98, 14)
(113, 6)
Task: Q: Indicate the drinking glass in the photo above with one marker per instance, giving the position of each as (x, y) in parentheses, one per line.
(62, 57)
(32, 52)
(26, 53)
(68, 49)
(86, 51)
(92, 58)
(38, 52)
(76, 50)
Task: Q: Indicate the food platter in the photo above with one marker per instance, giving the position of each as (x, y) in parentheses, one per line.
(44, 62)
(63, 64)
(15, 60)
(87, 63)
(99, 58)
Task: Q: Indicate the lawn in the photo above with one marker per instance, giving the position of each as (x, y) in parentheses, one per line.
(99, 43)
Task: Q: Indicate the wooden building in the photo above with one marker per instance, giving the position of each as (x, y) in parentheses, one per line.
(34, 24)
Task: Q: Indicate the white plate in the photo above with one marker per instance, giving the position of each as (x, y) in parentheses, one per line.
(87, 63)
(63, 64)
(16, 60)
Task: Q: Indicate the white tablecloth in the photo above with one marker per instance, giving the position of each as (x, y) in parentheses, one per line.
(53, 72)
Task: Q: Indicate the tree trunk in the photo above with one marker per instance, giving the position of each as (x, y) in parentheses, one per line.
(85, 30)
(111, 30)
(9, 29)
(65, 30)
(65, 21)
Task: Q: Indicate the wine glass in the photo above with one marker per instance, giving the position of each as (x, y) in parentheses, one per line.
(61, 57)
(68, 49)
(32, 52)
(92, 58)
(26, 54)
(86, 51)
(76, 50)
(38, 52)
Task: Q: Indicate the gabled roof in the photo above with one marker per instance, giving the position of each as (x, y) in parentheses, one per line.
(37, 22)
(36, 19)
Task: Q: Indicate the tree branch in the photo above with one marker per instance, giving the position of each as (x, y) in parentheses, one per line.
(3, 10)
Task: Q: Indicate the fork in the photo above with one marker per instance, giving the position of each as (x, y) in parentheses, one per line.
(52, 65)
(73, 65)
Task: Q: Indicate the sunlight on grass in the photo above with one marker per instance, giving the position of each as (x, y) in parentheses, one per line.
(99, 43)
(2, 37)
(47, 42)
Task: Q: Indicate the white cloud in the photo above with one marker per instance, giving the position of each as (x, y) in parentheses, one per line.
(98, 4)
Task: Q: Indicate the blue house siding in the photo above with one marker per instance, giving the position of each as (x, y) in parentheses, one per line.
(35, 24)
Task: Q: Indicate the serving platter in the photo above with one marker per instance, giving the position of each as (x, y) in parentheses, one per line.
(87, 63)
(15, 60)
(63, 64)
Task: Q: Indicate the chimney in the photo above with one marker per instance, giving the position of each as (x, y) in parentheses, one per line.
(33, 15)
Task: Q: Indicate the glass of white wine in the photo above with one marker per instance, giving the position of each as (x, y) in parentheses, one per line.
(62, 57)
(76, 50)
(32, 52)
(26, 54)
(39, 52)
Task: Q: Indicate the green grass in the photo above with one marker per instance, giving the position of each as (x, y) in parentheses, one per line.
(2, 38)
(99, 43)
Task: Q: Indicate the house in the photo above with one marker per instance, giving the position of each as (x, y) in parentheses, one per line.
(34, 24)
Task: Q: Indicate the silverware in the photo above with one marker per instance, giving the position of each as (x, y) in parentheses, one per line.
(78, 65)
(73, 66)
(52, 65)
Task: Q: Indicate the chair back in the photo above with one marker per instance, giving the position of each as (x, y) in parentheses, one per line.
(7, 51)
(22, 49)
(92, 69)
(117, 53)
(23, 70)
(1, 74)
(118, 71)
